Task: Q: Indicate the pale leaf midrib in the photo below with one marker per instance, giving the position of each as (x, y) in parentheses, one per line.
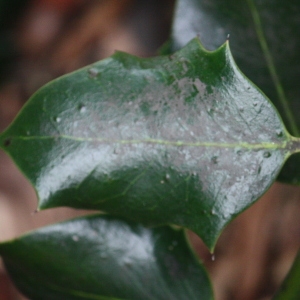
(208, 144)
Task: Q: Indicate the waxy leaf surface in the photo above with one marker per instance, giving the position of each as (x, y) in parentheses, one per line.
(183, 139)
(265, 42)
(98, 257)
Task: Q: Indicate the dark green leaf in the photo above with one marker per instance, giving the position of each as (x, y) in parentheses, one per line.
(290, 289)
(264, 38)
(183, 139)
(98, 257)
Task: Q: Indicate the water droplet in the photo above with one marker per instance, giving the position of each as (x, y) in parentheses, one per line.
(241, 109)
(93, 72)
(214, 159)
(267, 154)
(239, 152)
(213, 212)
(255, 103)
(279, 133)
(128, 263)
(57, 119)
(168, 177)
(75, 238)
(213, 257)
(162, 182)
(82, 108)
(103, 255)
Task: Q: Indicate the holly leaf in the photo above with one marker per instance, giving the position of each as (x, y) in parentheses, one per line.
(98, 257)
(264, 41)
(184, 139)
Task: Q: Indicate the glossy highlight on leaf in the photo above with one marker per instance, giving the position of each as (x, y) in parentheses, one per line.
(183, 139)
(264, 39)
(98, 257)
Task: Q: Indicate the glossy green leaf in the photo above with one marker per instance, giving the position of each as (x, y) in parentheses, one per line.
(99, 257)
(290, 289)
(264, 39)
(183, 139)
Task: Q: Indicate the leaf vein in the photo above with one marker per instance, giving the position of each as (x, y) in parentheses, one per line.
(250, 146)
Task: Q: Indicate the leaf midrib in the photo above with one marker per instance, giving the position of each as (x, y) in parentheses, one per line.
(254, 146)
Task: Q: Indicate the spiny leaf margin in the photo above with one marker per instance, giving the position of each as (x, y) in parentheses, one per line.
(183, 139)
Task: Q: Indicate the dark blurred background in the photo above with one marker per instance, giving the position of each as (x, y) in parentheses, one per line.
(41, 40)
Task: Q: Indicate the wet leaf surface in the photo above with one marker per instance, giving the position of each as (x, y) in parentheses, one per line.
(99, 257)
(183, 139)
(264, 41)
